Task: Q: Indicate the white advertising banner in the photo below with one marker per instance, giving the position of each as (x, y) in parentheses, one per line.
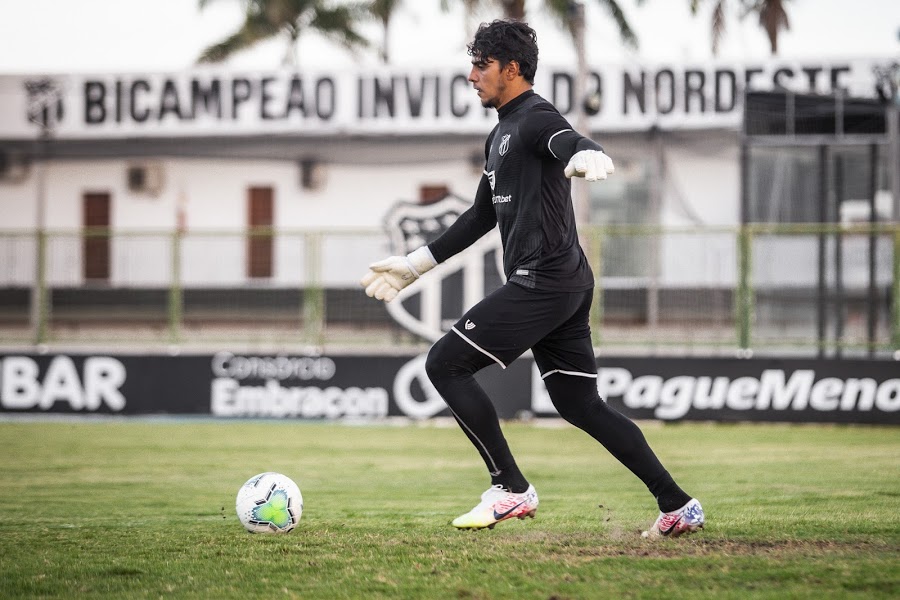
(208, 102)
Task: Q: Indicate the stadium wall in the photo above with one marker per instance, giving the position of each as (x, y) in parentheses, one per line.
(364, 387)
(205, 138)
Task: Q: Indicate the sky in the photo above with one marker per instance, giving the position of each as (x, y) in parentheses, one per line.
(132, 36)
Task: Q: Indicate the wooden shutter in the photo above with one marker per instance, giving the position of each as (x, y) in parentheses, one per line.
(260, 214)
(95, 241)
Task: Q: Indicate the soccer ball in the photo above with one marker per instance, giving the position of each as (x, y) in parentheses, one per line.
(269, 503)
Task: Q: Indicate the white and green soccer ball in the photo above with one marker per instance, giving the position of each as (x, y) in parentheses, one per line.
(269, 503)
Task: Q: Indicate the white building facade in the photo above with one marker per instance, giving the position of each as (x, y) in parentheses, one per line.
(221, 152)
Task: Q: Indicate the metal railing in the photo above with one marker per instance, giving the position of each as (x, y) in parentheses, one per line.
(826, 290)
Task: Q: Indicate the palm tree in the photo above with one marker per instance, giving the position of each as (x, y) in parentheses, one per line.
(566, 12)
(266, 19)
(562, 10)
(772, 18)
(383, 10)
(469, 6)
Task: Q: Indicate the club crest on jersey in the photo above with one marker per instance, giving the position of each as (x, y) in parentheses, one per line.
(504, 144)
(435, 302)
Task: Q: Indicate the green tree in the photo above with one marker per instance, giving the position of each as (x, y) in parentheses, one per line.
(266, 19)
(772, 17)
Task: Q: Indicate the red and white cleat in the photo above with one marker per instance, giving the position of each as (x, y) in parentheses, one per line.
(498, 505)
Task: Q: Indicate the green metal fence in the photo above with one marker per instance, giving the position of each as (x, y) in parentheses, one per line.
(824, 290)
(815, 289)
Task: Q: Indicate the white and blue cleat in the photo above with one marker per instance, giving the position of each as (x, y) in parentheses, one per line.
(687, 519)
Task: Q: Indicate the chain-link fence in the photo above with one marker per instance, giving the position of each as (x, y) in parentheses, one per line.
(771, 289)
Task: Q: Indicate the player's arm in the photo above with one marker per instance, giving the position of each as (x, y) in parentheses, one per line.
(387, 277)
(473, 223)
(469, 227)
(549, 134)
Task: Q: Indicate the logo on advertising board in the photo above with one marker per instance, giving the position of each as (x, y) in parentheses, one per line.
(288, 386)
(60, 384)
(45, 102)
(887, 82)
(741, 390)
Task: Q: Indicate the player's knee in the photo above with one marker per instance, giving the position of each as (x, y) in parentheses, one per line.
(439, 363)
(575, 398)
(572, 412)
(435, 364)
(449, 357)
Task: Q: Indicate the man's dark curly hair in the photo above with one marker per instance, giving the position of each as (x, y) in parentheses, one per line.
(505, 41)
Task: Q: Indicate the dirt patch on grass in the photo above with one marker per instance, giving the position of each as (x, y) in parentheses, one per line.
(699, 546)
(625, 542)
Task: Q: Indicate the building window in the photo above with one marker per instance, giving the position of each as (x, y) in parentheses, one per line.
(95, 239)
(260, 240)
(429, 194)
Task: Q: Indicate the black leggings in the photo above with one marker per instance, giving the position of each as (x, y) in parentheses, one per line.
(451, 366)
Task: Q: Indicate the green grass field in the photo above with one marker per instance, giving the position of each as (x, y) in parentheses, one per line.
(145, 509)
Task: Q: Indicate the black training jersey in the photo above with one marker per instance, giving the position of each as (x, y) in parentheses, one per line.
(525, 191)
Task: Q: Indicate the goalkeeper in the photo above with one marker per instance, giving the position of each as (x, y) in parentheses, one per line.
(545, 303)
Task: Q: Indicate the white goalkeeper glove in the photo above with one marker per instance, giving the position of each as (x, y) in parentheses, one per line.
(387, 277)
(593, 165)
